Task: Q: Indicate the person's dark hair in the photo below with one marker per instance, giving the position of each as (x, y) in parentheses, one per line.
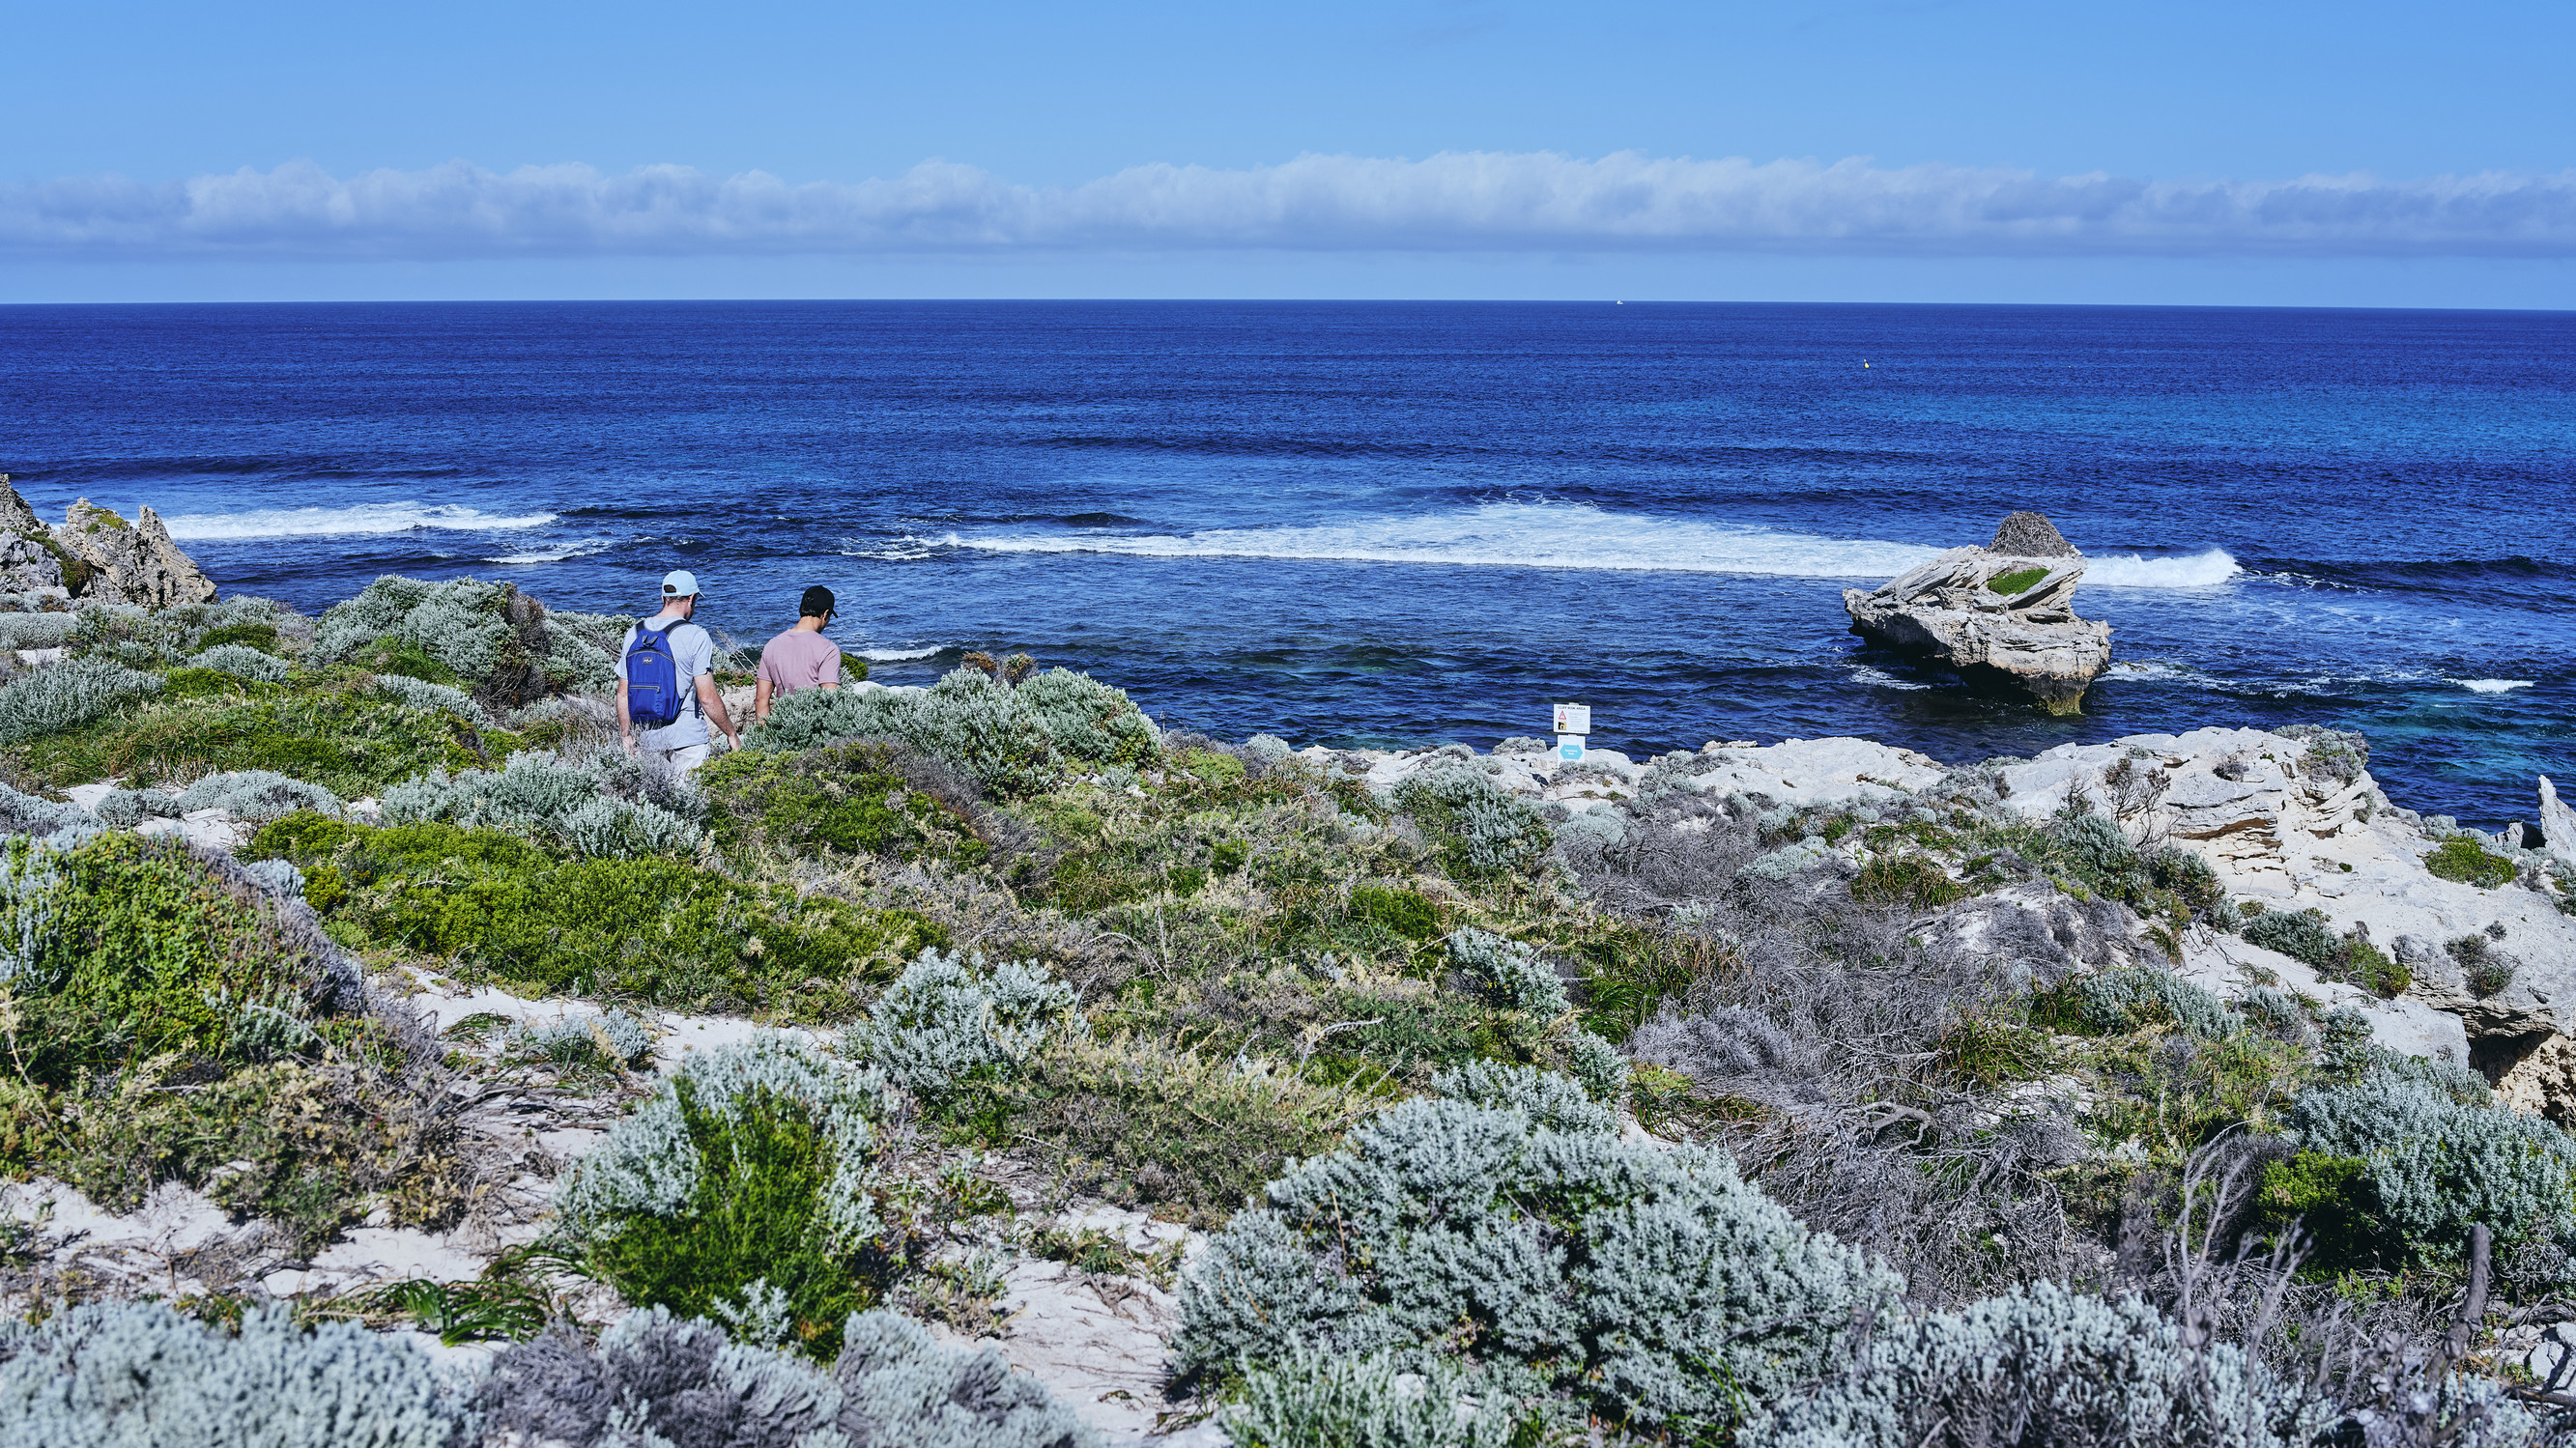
(817, 603)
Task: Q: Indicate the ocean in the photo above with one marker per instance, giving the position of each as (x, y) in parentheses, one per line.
(1369, 523)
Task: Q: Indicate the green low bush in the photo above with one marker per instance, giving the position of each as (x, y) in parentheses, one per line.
(168, 1017)
(2463, 860)
(1914, 881)
(860, 797)
(740, 1192)
(2305, 936)
(345, 735)
(673, 934)
(1480, 829)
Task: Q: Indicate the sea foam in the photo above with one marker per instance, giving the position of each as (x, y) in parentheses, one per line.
(1505, 535)
(363, 518)
(2199, 570)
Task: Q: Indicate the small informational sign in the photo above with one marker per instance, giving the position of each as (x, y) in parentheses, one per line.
(1573, 718)
(1569, 748)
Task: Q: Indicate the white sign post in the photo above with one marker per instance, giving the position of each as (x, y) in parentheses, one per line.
(1573, 722)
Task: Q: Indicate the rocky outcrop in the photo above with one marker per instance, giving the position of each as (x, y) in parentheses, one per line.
(15, 516)
(2557, 823)
(27, 566)
(2002, 615)
(136, 560)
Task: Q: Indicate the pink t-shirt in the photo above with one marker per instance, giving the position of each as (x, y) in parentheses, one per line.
(799, 659)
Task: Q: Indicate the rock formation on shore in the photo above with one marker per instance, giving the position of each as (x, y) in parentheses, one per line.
(95, 554)
(2001, 615)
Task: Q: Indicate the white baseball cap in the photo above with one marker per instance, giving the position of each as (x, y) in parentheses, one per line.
(679, 583)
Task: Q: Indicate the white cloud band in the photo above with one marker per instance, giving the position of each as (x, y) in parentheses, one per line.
(1455, 201)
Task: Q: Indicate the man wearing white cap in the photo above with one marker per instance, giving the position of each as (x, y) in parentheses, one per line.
(666, 686)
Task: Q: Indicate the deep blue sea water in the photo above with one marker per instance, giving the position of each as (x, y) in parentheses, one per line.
(1370, 522)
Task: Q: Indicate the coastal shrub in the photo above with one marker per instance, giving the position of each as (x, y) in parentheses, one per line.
(459, 623)
(36, 630)
(260, 637)
(1649, 1284)
(2115, 1002)
(24, 814)
(2305, 936)
(610, 1038)
(1914, 881)
(68, 694)
(123, 949)
(811, 718)
(659, 1379)
(2486, 969)
(1146, 1123)
(432, 697)
(652, 928)
(1088, 721)
(242, 662)
(138, 967)
(2337, 756)
(2042, 1364)
(2439, 1159)
(739, 1191)
(1479, 828)
(345, 736)
(1518, 978)
(947, 1017)
(2458, 858)
(126, 808)
(127, 1375)
(1332, 1400)
(1555, 1102)
(258, 795)
(587, 806)
(860, 797)
(986, 728)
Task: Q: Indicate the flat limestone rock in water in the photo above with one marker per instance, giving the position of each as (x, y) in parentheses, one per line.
(1998, 617)
(138, 560)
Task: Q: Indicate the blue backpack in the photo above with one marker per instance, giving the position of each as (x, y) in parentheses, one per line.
(653, 689)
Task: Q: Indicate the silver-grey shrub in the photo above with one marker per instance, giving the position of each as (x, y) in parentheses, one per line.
(1480, 827)
(1555, 1102)
(2129, 997)
(242, 662)
(813, 717)
(2439, 1164)
(682, 1383)
(985, 727)
(1650, 1284)
(68, 694)
(586, 805)
(613, 1036)
(649, 1164)
(258, 795)
(36, 630)
(947, 1016)
(438, 698)
(2042, 1364)
(458, 623)
(126, 808)
(139, 1375)
(1517, 976)
(1091, 722)
(1333, 1400)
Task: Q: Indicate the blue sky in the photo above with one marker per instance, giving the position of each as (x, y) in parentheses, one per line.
(2351, 154)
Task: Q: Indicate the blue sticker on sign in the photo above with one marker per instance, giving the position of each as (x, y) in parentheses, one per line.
(1570, 753)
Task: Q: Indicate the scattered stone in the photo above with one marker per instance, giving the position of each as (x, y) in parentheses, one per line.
(2000, 618)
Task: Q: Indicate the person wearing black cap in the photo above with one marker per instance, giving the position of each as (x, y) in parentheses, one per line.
(800, 658)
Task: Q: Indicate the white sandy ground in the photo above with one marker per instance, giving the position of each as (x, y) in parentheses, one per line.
(1099, 1343)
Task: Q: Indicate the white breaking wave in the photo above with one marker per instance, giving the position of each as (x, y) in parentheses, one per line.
(365, 518)
(897, 656)
(2200, 570)
(582, 549)
(1881, 679)
(1507, 535)
(2492, 686)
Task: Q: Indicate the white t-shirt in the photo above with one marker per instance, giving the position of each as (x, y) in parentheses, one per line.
(694, 652)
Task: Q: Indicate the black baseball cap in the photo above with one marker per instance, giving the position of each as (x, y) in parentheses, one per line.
(817, 602)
